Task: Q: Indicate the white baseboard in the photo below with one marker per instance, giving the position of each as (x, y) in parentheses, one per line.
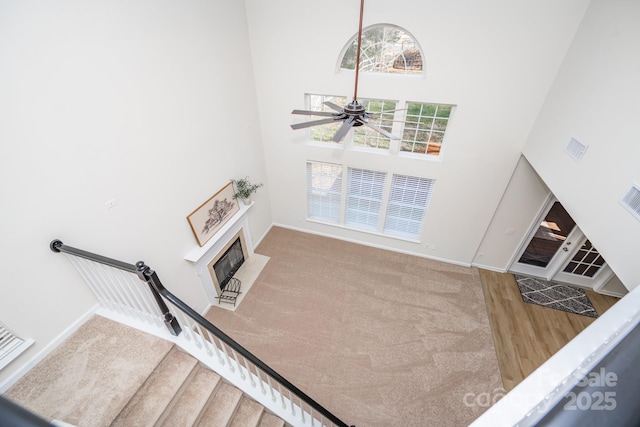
(256, 243)
(490, 268)
(4, 386)
(372, 245)
(610, 293)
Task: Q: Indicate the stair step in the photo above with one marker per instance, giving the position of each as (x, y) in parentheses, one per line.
(248, 413)
(270, 420)
(91, 376)
(222, 406)
(158, 391)
(193, 398)
(108, 374)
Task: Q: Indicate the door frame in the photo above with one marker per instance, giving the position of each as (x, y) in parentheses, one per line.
(553, 271)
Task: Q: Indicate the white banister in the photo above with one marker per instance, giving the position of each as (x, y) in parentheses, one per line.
(118, 291)
(538, 393)
(123, 297)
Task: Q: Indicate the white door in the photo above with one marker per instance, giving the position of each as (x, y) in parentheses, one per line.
(584, 267)
(558, 250)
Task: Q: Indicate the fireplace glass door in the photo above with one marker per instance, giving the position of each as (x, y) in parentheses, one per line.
(229, 263)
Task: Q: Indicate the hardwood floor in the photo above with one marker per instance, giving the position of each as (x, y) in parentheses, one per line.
(526, 335)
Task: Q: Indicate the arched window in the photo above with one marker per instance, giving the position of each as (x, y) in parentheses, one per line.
(385, 48)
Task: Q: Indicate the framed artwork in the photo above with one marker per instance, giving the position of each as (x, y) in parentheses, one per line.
(213, 214)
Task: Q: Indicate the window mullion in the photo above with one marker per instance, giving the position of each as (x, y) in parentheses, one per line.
(398, 126)
(386, 194)
(343, 196)
(347, 141)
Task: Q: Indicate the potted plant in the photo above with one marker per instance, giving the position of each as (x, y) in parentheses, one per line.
(244, 189)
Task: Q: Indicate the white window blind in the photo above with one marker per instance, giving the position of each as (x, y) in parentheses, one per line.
(8, 341)
(408, 203)
(364, 198)
(11, 346)
(324, 189)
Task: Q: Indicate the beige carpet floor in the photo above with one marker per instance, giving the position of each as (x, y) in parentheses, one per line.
(379, 338)
(89, 379)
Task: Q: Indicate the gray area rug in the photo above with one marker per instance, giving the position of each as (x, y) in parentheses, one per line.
(555, 295)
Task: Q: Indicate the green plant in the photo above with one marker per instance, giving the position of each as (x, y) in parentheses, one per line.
(244, 188)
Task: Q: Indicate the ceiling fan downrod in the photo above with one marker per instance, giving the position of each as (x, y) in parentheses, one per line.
(353, 114)
(355, 88)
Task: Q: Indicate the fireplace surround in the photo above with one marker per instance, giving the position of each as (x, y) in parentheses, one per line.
(205, 257)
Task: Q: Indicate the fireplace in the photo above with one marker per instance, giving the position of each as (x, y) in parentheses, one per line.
(228, 260)
(229, 253)
(227, 265)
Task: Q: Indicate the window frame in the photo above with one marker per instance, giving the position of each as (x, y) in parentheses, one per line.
(354, 38)
(386, 205)
(397, 128)
(364, 196)
(318, 204)
(414, 196)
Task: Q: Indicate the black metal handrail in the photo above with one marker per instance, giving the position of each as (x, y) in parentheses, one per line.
(15, 415)
(148, 275)
(169, 319)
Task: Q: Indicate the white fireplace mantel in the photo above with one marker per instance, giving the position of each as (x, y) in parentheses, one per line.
(201, 256)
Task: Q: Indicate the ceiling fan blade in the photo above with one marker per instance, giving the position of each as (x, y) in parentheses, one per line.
(314, 113)
(365, 103)
(382, 131)
(344, 129)
(313, 123)
(334, 106)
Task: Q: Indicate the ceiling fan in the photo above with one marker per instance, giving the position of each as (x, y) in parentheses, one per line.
(351, 115)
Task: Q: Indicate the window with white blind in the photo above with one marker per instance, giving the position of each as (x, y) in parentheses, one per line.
(360, 206)
(407, 205)
(364, 198)
(11, 345)
(324, 191)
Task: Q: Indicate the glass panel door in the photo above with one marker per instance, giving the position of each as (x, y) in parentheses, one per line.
(586, 267)
(586, 261)
(558, 250)
(549, 237)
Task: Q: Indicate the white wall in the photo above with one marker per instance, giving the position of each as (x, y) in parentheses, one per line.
(494, 59)
(150, 103)
(595, 100)
(516, 214)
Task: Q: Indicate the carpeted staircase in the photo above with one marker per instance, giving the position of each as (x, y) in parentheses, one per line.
(183, 392)
(107, 374)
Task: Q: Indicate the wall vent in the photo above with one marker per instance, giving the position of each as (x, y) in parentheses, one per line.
(631, 201)
(575, 149)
